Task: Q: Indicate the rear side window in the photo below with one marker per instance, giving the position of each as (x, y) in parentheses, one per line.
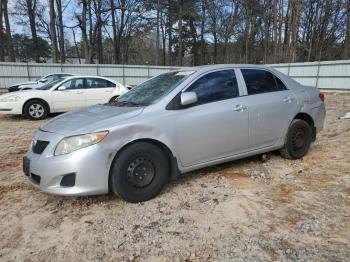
(215, 86)
(97, 83)
(261, 81)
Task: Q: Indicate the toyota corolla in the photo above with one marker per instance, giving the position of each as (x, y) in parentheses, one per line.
(171, 124)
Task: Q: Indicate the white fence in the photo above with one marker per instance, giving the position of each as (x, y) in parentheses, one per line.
(325, 75)
(12, 73)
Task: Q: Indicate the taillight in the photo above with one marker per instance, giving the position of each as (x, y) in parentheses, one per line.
(322, 96)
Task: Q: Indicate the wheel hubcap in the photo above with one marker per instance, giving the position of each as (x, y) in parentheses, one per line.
(36, 110)
(140, 172)
(298, 140)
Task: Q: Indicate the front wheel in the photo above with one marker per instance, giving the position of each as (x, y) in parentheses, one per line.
(298, 140)
(139, 172)
(36, 110)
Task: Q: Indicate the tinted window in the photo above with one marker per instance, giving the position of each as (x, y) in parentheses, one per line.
(74, 84)
(110, 84)
(96, 83)
(261, 81)
(215, 86)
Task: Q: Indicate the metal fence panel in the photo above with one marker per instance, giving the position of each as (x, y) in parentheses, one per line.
(329, 74)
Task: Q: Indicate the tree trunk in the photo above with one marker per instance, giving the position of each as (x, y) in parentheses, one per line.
(84, 32)
(170, 32)
(61, 31)
(31, 7)
(10, 47)
(202, 33)
(346, 54)
(158, 33)
(2, 48)
(194, 40)
(121, 29)
(180, 32)
(76, 45)
(114, 31)
(53, 32)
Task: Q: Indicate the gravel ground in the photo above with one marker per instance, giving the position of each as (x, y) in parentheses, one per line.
(247, 210)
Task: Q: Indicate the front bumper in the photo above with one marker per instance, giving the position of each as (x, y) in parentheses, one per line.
(89, 165)
(13, 108)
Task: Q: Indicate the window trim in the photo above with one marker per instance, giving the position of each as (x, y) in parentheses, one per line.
(261, 69)
(169, 106)
(63, 82)
(89, 88)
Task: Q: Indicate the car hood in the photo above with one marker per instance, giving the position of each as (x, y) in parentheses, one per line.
(90, 119)
(27, 83)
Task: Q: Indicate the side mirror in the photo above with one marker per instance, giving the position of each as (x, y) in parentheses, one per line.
(43, 81)
(188, 98)
(61, 88)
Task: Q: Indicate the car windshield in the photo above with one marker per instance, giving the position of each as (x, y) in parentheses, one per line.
(152, 90)
(50, 85)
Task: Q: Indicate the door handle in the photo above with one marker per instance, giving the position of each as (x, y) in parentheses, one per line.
(288, 99)
(79, 92)
(239, 108)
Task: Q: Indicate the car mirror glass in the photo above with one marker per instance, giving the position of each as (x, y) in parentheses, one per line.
(188, 98)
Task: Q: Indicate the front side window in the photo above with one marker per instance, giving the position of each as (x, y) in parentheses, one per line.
(153, 90)
(74, 84)
(261, 81)
(215, 86)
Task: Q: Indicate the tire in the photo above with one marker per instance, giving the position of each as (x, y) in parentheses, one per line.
(139, 172)
(113, 99)
(36, 109)
(298, 140)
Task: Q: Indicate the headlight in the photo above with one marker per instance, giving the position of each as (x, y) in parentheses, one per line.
(13, 98)
(72, 143)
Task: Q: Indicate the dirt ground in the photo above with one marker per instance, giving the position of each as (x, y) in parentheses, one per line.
(245, 210)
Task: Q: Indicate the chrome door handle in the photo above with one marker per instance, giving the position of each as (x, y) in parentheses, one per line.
(239, 108)
(79, 92)
(288, 99)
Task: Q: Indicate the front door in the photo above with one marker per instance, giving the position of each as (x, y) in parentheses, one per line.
(217, 125)
(72, 97)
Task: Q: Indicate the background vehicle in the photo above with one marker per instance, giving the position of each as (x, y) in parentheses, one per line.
(38, 83)
(61, 96)
(174, 123)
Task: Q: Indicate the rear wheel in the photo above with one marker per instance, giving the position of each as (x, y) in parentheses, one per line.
(113, 99)
(298, 140)
(139, 172)
(36, 109)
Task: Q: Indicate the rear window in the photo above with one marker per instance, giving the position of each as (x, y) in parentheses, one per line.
(261, 81)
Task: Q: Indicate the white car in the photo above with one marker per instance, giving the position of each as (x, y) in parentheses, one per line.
(61, 96)
(40, 82)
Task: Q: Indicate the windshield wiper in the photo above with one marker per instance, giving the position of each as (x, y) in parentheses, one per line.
(124, 103)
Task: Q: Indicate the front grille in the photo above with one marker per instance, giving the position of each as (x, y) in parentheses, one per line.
(39, 146)
(35, 178)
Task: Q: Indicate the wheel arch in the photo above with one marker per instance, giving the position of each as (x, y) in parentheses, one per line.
(32, 99)
(308, 119)
(172, 160)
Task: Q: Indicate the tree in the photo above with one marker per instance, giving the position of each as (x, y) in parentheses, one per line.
(53, 32)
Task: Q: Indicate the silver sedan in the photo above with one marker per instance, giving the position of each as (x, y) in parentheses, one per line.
(171, 124)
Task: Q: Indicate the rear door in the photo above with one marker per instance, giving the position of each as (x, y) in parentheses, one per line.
(217, 125)
(70, 98)
(98, 91)
(271, 106)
